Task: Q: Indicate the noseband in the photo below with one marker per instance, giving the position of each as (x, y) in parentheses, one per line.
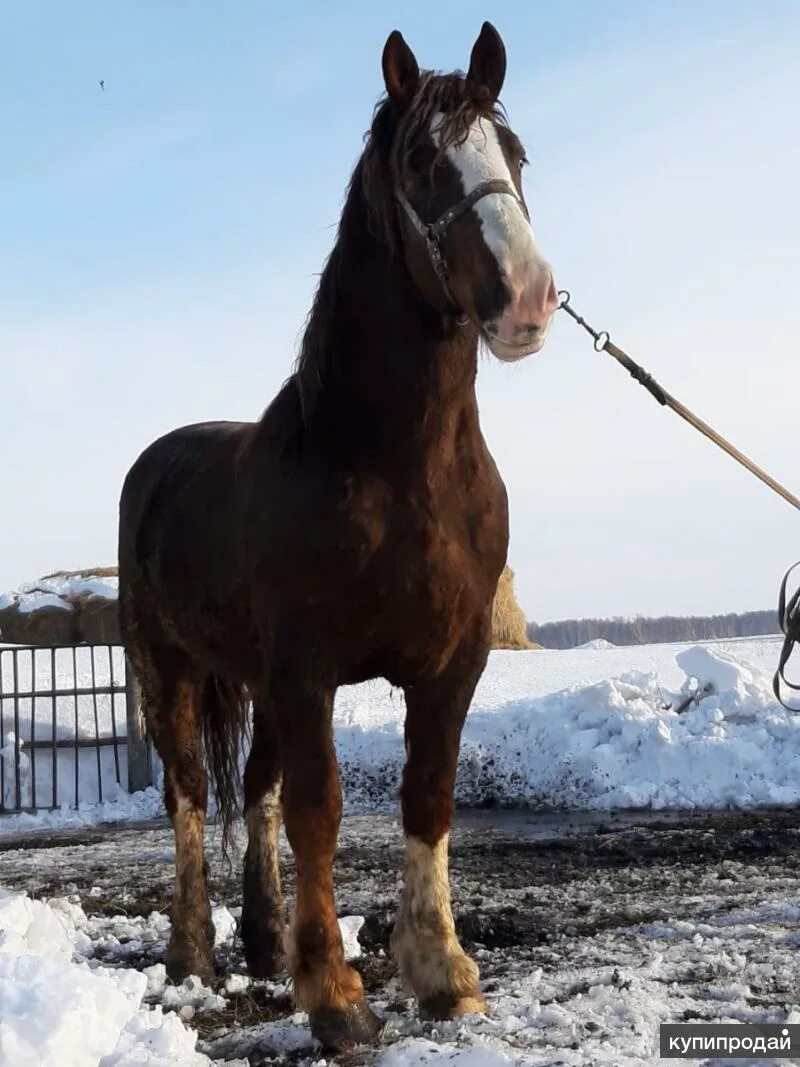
(433, 232)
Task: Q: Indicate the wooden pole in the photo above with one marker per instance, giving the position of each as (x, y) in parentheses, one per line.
(139, 776)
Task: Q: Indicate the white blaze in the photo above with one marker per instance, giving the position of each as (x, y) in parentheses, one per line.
(506, 231)
(519, 327)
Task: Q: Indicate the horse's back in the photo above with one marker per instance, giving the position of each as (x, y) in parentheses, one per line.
(184, 464)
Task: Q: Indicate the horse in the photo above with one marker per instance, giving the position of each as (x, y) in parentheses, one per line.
(357, 530)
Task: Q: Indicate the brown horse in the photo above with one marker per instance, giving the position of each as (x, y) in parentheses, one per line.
(357, 530)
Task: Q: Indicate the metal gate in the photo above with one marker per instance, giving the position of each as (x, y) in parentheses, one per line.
(71, 730)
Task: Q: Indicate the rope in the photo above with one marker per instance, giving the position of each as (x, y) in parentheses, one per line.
(603, 343)
(788, 612)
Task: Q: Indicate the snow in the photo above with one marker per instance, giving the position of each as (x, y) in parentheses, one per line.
(125, 807)
(596, 643)
(34, 602)
(418, 1051)
(57, 1008)
(52, 592)
(594, 729)
(349, 925)
(224, 925)
(607, 1015)
(605, 740)
(709, 941)
(719, 669)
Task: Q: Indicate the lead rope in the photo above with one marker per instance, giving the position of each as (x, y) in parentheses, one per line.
(789, 618)
(788, 612)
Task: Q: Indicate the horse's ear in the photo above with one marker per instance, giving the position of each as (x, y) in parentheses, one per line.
(487, 64)
(400, 69)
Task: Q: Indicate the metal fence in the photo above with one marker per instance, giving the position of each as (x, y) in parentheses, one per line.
(70, 727)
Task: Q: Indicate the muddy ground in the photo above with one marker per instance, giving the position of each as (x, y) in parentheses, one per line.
(547, 903)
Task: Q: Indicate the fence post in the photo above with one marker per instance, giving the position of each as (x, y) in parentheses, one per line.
(138, 756)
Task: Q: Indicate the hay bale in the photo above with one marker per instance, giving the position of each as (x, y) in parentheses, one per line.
(46, 626)
(98, 620)
(63, 608)
(509, 628)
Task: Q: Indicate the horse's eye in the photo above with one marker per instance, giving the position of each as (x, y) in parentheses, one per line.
(523, 162)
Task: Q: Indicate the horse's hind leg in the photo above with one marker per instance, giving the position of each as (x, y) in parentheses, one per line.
(424, 942)
(262, 902)
(171, 697)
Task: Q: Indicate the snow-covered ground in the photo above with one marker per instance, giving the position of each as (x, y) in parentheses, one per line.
(593, 728)
(587, 938)
(588, 933)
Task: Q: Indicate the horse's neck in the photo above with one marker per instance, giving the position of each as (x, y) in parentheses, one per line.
(398, 384)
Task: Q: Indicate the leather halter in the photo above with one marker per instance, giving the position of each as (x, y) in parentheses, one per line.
(433, 232)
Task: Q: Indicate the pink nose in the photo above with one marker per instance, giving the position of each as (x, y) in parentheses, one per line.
(533, 302)
(526, 316)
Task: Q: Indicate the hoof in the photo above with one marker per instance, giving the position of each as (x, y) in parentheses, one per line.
(339, 1030)
(450, 1006)
(182, 959)
(263, 949)
(262, 963)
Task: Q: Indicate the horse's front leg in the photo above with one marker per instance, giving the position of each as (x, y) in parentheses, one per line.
(440, 974)
(324, 984)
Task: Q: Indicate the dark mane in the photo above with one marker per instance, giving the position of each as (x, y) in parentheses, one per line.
(384, 165)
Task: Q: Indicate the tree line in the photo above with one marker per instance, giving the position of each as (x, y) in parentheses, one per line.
(640, 630)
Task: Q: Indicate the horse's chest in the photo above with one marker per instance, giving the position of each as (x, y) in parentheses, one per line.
(389, 580)
(431, 561)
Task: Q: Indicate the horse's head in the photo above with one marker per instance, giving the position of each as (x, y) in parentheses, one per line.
(455, 167)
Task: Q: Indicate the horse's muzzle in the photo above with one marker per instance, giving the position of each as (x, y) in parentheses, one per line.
(521, 328)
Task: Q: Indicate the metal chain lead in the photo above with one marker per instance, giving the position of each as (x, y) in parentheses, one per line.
(565, 297)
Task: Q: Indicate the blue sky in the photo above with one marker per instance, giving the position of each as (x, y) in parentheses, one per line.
(160, 241)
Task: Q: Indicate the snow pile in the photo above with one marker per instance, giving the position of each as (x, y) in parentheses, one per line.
(597, 642)
(124, 807)
(55, 591)
(615, 743)
(59, 1006)
(55, 1008)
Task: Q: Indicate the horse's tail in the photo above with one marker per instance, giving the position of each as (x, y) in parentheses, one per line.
(225, 726)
